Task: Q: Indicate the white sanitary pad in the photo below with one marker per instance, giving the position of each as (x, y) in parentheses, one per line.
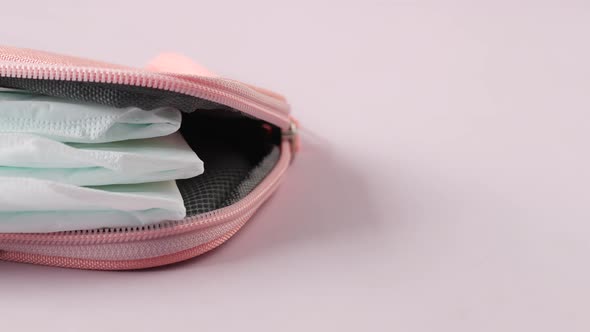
(31, 205)
(67, 121)
(134, 161)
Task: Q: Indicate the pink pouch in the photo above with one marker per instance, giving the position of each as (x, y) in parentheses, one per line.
(243, 133)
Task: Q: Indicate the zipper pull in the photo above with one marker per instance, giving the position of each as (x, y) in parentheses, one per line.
(292, 135)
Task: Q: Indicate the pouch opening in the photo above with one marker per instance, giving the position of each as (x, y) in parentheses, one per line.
(238, 151)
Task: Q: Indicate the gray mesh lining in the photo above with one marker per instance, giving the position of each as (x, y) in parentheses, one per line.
(225, 181)
(235, 163)
(112, 94)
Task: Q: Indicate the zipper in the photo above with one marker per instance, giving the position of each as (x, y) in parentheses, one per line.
(292, 136)
(94, 264)
(219, 90)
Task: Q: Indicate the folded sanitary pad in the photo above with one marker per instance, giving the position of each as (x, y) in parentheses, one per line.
(67, 121)
(32, 205)
(133, 161)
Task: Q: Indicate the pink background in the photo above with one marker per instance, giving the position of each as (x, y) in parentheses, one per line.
(447, 190)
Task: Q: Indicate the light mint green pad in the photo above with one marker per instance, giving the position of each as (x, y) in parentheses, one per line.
(133, 161)
(34, 205)
(67, 121)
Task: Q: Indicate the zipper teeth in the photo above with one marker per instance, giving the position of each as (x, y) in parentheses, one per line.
(89, 264)
(209, 89)
(168, 228)
(226, 84)
(131, 250)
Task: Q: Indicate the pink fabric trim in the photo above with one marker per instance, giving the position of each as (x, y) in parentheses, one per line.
(179, 64)
(111, 265)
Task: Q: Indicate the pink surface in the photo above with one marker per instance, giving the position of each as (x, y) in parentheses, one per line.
(451, 193)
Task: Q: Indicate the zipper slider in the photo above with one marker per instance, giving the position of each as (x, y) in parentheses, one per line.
(292, 135)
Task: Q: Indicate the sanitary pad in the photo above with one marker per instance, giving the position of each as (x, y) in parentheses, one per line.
(67, 121)
(133, 161)
(32, 205)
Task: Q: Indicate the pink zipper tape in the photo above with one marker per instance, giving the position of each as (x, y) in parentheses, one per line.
(92, 264)
(31, 64)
